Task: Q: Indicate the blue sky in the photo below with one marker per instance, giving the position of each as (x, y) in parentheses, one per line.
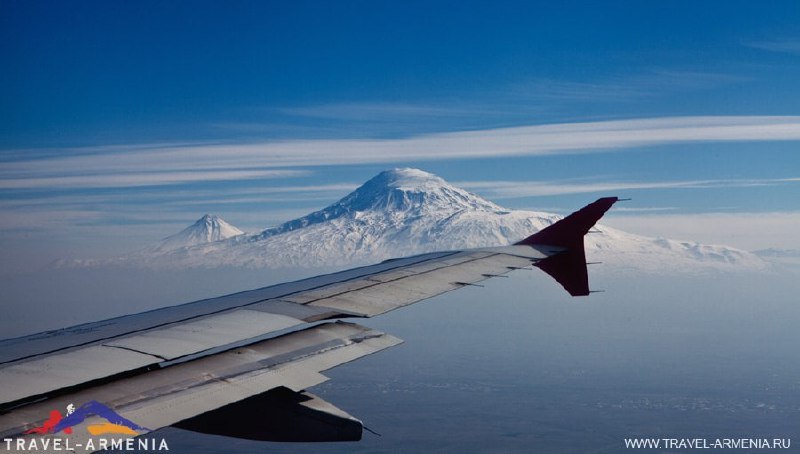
(121, 122)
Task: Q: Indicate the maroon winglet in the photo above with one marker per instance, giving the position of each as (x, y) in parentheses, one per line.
(569, 232)
(569, 267)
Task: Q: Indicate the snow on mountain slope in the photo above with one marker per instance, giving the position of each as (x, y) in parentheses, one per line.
(206, 230)
(407, 211)
(623, 250)
(404, 212)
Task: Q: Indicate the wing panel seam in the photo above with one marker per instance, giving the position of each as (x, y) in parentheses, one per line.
(333, 295)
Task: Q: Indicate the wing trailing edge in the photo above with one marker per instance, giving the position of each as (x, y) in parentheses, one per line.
(568, 267)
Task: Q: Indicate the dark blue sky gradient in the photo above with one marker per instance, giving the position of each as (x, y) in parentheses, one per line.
(135, 71)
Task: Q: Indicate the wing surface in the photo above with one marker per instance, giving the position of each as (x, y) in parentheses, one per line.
(170, 365)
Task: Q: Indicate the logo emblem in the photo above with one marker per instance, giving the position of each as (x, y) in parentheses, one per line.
(115, 424)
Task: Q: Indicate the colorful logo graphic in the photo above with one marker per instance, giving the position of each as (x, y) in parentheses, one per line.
(115, 424)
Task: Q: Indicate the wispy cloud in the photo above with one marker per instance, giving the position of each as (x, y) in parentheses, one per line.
(377, 111)
(521, 189)
(750, 231)
(787, 46)
(49, 219)
(380, 119)
(629, 87)
(125, 179)
(160, 212)
(281, 194)
(134, 167)
(515, 103)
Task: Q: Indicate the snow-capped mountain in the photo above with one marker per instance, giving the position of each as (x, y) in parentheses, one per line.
(397, 213)
(207, 229)
(403, 212)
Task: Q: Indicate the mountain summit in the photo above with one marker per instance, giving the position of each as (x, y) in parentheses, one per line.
(207, 229)
(394, 198)
(398, 212)
(403, 212)
(412, 190)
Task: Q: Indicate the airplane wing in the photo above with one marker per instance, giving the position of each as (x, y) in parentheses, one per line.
(238, 365)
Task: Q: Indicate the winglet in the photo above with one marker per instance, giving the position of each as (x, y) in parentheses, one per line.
(569, 267)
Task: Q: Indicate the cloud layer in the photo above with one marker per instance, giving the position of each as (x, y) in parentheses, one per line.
(522, 189)
(749, 231)
(125, 167)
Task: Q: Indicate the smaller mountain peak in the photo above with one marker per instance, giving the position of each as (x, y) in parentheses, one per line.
(207, 229)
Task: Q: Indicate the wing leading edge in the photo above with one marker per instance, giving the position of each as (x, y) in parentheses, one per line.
(154, 368)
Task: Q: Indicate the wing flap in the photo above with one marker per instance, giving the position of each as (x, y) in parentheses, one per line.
(166, 396)
(46, 374)
(43, 375)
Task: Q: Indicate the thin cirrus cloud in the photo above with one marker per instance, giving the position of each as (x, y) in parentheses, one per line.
(521, 189)
(786, 46)
(188, 163)
(180, 197)
(628, 87)
(750, 231)
(124, 179)
(54, 210)
(376, 111)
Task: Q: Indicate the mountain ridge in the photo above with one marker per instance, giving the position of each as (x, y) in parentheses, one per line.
(405, 211)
